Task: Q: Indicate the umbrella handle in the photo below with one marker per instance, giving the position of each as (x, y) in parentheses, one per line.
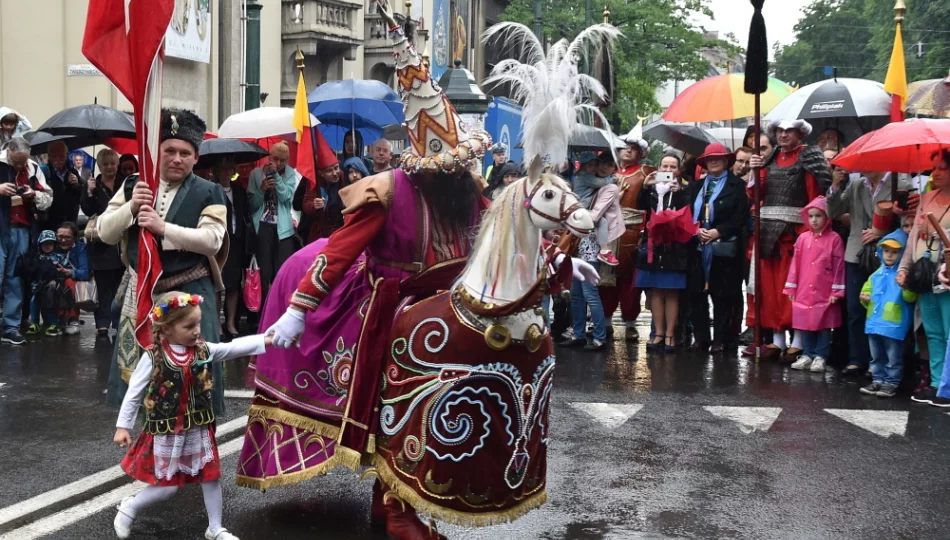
(939, 230)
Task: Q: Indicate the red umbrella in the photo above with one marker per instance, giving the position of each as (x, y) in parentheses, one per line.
(906, 147)
(670, 227)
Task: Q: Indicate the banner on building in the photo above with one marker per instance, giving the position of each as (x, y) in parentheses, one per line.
(503, 123)
(441, 35)
(189, 36)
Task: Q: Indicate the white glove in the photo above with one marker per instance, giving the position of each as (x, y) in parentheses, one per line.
(584, 271)
(287, 329)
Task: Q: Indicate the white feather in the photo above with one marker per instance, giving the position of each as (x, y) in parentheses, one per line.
(550, 88)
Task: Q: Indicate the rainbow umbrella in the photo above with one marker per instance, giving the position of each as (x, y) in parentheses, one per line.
(722, 98)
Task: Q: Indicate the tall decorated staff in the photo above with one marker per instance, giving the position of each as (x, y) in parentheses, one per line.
(757, 82)
(124, 39)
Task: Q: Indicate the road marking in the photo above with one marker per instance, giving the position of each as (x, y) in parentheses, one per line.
(883, 423)
(62, 493)
(239, 394)
(60, 520)
(611, 415)
(749, 418)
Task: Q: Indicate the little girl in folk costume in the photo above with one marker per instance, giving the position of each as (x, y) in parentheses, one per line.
(177, 445)
(815, 284)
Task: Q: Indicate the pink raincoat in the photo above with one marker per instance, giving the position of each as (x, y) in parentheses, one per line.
(817, 274)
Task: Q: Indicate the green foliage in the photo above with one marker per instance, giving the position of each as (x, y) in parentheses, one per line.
(857, 37)
(659, 43)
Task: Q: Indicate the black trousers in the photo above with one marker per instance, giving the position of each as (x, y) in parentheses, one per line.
(107, 285)
(725, 291)
(272, 253)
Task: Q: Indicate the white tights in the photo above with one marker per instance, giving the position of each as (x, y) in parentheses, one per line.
(156, 494)
(778, 339)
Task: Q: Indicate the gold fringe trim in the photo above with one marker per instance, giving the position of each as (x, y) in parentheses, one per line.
(293, 420)
(263, 484)
(462, 519)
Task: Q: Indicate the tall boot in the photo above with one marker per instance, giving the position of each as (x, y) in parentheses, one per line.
(402, 523)
(377, 512)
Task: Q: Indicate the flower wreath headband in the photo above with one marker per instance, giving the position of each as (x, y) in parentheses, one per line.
(180, 301)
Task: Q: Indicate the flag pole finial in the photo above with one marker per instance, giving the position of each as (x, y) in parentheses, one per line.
(299, 58)
(607, 13)
(899, 9)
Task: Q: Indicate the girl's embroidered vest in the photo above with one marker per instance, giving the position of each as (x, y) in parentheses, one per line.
(164, 393)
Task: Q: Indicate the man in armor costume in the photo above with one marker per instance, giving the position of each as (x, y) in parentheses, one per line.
(792, 175)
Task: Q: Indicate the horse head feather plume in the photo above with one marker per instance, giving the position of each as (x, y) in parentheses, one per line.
(552, 90)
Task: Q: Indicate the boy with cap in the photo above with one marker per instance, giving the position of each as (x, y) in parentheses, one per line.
(45, 282)
(890, 313)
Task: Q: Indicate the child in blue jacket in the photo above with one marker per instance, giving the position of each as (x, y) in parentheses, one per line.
(890, 316)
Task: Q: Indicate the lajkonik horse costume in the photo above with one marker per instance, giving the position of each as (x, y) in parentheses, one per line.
(435, 376)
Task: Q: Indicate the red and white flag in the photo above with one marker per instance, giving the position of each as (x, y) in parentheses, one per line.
(125, 40)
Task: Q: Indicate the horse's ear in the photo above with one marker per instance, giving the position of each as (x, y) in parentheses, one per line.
(534, 171)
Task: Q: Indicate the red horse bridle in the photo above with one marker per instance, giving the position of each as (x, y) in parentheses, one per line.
(565, 212)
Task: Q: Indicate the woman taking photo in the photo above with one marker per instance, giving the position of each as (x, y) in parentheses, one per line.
(664, 273)
(104, 259)
(924, 250)
(721, 208)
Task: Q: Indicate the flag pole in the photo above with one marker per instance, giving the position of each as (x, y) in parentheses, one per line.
(313, 139)
(757, 82)
(896, 80)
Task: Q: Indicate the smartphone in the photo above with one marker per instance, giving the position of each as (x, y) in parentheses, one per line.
(664, 177)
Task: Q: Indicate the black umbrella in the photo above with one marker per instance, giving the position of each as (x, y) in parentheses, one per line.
(590, 139)
(93, 121)
(685, 137)
(238, 151)
(40, 141)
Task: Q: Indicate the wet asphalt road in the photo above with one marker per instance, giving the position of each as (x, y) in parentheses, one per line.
(674, 469)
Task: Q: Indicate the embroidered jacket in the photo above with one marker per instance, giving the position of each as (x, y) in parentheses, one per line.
(166, 390)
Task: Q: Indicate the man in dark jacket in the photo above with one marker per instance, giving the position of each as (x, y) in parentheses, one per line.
(67, 186)
(23, 192)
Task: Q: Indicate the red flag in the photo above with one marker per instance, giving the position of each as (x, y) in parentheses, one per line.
(124, 39)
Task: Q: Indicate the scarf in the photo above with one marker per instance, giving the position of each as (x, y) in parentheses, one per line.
(701, 199)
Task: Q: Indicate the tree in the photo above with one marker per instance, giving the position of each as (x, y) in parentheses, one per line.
(660, 43)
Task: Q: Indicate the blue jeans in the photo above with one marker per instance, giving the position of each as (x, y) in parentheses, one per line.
(583, 294)
(49, 315)
(887, 359)
(11, 249)
(935, 312)
(816, 343)
(854, 281)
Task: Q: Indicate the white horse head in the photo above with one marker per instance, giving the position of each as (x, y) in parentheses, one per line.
(505, 259)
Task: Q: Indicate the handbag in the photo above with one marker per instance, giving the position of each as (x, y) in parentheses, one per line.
(87, 295)
(727, 248)
(867, 259)
(922, 276)
(252, 286)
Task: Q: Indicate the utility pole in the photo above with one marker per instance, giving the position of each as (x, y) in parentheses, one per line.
(252, 83)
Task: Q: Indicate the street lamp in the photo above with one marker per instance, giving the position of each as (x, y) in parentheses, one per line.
(460, 87)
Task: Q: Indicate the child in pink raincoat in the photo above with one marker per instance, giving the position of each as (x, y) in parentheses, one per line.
(816, 284)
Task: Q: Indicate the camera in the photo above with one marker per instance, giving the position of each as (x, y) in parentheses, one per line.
(20, 190)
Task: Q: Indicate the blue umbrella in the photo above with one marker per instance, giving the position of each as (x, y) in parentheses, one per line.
(366, 106)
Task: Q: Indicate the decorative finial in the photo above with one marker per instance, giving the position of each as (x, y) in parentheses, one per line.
(409, 8)
(899, 9)
(299, 58)
(606, 13)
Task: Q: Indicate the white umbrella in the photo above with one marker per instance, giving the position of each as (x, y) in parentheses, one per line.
(260, 124)
(853, 106)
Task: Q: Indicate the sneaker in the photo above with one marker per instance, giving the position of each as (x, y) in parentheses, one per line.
(608, 258)
(33, 330)
(221, 534)
(568, 334)
(123, 520)
(872, 389)
(942, 402)
(54, 330)
(926, 396)
(13, 338)
(594, 345)
(887, 390)
(803, 362)
(818, 366)
(573, 342)
(72, 328)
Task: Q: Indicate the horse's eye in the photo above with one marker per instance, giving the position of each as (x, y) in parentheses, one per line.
(548, 194)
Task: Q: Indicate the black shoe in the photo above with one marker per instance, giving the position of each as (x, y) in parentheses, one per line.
(925, 396)
(941, 402)
(594, 345)
(887, 390)
(871, 389)
(669, 346)
(573, 342)
(851, 371)
(102, 333)
(653, 346)
(13, 338)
